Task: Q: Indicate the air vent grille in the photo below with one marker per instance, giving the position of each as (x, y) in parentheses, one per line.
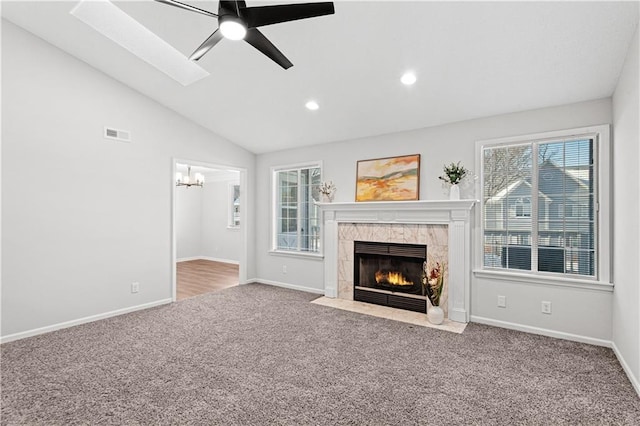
(121, 135)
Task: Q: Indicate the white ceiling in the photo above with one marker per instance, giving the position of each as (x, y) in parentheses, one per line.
(472, 60)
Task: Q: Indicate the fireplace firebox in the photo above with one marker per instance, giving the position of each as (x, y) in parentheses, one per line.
(390, 274)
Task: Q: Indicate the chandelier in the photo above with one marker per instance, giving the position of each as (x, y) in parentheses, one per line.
(185, 180)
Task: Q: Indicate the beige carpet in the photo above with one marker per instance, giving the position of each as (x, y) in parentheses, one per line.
(262, 355)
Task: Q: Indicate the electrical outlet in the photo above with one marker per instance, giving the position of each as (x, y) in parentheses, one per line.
(502, 301)
(135, 287)
(284, 269)
(546, 307)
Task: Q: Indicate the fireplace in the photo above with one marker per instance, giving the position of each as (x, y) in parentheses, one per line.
(390, 274)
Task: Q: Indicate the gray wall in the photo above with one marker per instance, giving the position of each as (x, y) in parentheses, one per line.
(576, 312)
(626, 212)
(89, 215)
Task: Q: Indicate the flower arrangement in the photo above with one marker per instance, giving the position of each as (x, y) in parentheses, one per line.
(454, 173)
(327, 189)
(432, 281)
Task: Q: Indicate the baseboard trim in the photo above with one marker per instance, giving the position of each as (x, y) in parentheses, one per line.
(79, 321)
(285, 285)
(541, 331)
(213, 259)
(634, 381)
(187, 259)
(216, 259)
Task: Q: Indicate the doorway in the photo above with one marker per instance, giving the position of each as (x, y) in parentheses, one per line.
(209, 248)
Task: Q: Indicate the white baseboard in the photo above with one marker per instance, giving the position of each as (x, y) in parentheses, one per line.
(67, 324)
(187, 259)
(216, 259)
(213, 259)
(286, 285)
(541, 331)
(634, 380)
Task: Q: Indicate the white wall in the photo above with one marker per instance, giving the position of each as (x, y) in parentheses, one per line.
(626, 213)
(202, 219)
(585, 313)
(218, 240)
(90, 215)
(188, 222)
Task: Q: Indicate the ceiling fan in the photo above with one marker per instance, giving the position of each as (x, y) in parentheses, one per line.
(236, 21)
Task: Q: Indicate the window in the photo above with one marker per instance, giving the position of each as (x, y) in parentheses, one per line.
(523, 207)
(540, 203)
(297, 223)
(234, 206)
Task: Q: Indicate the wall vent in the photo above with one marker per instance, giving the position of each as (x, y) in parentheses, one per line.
(120, 135)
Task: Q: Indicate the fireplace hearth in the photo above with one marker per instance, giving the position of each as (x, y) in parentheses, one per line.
(390, 274)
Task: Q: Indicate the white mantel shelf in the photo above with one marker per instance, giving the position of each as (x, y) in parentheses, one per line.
(401, 205)
(454, 213)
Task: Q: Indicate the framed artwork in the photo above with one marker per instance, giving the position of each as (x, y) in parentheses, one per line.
(388, 179)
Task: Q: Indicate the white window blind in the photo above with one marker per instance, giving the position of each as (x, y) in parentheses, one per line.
(539, 206)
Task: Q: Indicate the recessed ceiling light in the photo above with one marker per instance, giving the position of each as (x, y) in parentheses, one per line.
(110, 21)
(408, 78)
(312, 105)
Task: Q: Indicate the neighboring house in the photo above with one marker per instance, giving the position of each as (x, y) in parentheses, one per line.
(565, 234)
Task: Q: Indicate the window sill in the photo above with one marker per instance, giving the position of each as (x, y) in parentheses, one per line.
(544, 280)
(312, 256)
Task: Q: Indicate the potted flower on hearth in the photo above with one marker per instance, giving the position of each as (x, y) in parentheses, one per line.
(433, 282)
(453, 175)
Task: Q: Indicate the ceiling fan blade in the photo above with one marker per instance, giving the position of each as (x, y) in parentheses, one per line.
(267, 15)
(207, 45)
(255, 38)
(187, 7)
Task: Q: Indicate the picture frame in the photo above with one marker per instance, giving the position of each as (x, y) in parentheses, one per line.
(388, 179)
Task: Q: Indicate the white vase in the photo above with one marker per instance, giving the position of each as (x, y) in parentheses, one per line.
(435, 314)
(454, 192)
(326, 198)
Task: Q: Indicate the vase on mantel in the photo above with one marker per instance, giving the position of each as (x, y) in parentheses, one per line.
(454, 192)
(435, 314)
(326, 198)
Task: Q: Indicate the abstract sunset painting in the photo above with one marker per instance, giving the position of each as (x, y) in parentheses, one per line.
(388, 179)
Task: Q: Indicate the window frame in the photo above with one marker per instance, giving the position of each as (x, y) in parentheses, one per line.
(274, 212)
(231, 223)
(601, 135)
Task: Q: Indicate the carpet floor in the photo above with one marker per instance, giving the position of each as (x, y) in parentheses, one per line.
(257, 354)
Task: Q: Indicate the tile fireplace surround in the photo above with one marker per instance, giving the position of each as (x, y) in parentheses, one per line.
(444, 226)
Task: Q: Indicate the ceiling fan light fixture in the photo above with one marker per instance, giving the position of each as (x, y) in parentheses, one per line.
(233, 28)
(235, 20)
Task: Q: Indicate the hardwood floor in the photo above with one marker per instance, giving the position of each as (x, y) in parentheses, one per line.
(195, 277)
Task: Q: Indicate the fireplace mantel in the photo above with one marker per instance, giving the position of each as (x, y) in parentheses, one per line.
(454, 213)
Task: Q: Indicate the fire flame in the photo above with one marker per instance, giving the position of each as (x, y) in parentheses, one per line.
(392, 277)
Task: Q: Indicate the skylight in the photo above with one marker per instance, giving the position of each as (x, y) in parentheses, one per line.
(110, 21)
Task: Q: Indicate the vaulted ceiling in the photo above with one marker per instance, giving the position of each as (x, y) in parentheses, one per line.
(472, 59)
